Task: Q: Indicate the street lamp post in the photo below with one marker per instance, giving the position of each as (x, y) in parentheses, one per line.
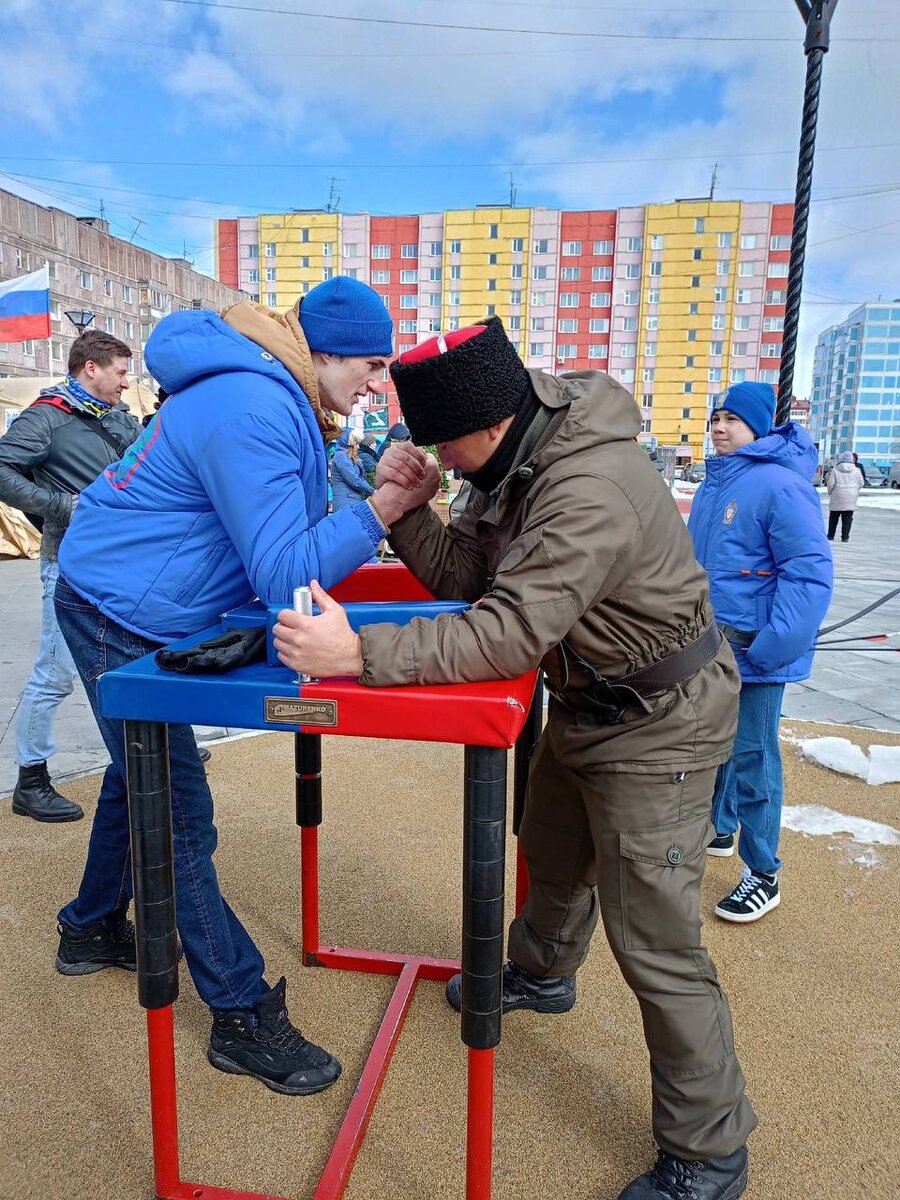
(80, 318)
(817, 15)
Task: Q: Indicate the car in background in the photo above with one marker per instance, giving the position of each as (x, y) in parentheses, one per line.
(875, 477)
(894, 475)
(694, 473)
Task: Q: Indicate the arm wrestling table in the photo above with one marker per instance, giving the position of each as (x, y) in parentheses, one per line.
(487, 718)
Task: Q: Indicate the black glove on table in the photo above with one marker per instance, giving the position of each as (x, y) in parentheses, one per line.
(234, 648)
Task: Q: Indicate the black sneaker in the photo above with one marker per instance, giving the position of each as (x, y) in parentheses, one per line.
(685, 1179)
(36, 797)
(721, 847)
(106, 943)
(521, 989)
(266, 1045)
(753, 897)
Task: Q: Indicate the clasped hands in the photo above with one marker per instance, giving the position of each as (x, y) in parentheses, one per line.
(325, 646)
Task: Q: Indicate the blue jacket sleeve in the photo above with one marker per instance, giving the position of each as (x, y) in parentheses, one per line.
(253, 472)
(805, 576)
(346, 470)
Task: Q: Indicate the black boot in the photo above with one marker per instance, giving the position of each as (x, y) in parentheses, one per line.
(701, 1179)
(106, 943)
(35, 796)
(521, 989)
(263, 1043)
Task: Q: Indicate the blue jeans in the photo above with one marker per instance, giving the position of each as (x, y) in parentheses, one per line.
(749, 788)
(225, 965)
(52, 679)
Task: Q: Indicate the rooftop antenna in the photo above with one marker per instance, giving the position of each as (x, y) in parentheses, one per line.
(333, 200)
(513, 191)
(136, 228)
(713, 181)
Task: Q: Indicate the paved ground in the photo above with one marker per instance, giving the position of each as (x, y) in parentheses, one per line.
(853, 687)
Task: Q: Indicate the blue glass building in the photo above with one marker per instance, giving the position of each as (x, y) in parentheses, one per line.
(856, 386)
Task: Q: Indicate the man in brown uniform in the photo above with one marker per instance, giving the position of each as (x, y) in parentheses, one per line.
(575, 557)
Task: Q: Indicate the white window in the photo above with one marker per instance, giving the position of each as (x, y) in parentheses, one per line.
(648, 374)
(434, 274)
(56, 350)
(107, 287)
(650, 350)
(514, 323)
(493, 231)
(253, 275)
(653, 296)
(771, 350)
(599, 274)
(518, 245)
(714, 375)
(748, 241)
(630, 297)
(693, 308)
(738, 374)
(566, 350)
(571, 248)
(515, 271)
(28, 348)
(720, 295)
(435, 248)
(598, 350)
(408, 326)
(568, 325)
(538, 298)
(350, 250)
(722, 266)
(780, 241)
(381, 277)
(407, 301)
(328, 273)
(109, 324)
(687, 388)
(695, 281)
(55, 310)
(653, 323)
(129, 329)
(381, 251)
(492, 285)
(716, 348)
(433, 300)
(746, 269)
(456, 247)
(537, 348)
(778, 270)
(699, 224)
(86, 279)
(604, 246)
(724, 241)
(741, 323)
(656, 268)
(767, 376)
(492, 260)
(304, 236)
(304, 262)
(626, 374)
(51, 266)
(540, 246)
(629, 350)
(570, 274)
(126, 293)
(691, 335)
(537, 324)
(453, 299)
(657, 241)
(631, 271)
(773, 296)
(718, 321)
(698, 254)
(568, 300)
(773, 324)
(744, 296)
(328, 249)
(252, 250)
(413, 276)
(455, 272)
(271, 299)
(740, 349)
(599, 325)
(600, 299)
(539, 272)
(271, 249)
(689, 360)
(408, 250)
(629, 324)
(685, 414)
(515, 297)
(634, 244)
(270, 274)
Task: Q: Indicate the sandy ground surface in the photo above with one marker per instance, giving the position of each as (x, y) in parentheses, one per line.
(814, 988)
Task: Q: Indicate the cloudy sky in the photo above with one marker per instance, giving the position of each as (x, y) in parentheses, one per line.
(173, 112)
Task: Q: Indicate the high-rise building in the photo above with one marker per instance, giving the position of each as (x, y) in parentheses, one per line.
(124, 289)
(856, 385)
(674, 300)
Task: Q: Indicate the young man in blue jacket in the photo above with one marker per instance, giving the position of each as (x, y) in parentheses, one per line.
(223, 498)
(757, 527)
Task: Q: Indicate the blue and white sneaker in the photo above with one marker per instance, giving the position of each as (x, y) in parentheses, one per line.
(753, 897)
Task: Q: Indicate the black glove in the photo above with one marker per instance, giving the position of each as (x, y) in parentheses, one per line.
(234, 648)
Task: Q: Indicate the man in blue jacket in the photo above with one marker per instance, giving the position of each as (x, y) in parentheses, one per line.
(757, 527)
(221, 499)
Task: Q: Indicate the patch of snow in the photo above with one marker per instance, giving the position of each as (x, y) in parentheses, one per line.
(881, 765)
(816, 820)
(885, 765)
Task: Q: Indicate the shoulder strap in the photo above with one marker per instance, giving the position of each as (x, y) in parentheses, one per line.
(119, 445)
(55, 401)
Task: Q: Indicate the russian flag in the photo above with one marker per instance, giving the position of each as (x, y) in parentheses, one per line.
(25, 307)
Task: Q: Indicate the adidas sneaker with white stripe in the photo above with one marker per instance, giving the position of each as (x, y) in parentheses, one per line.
(753, 897)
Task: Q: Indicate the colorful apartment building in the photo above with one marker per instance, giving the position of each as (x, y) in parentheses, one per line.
(674, 300)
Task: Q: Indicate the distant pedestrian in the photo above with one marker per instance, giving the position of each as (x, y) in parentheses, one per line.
(348, 477)
(51, 453)
(860, 468)
(757, 527)
(844, 483)
(368, 456)
(396, 433)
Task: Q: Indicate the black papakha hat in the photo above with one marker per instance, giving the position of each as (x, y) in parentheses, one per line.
(460, 383)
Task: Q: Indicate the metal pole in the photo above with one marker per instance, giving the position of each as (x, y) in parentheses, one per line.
(817, 15)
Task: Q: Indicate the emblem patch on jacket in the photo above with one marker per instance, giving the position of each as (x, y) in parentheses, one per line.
(730, 511)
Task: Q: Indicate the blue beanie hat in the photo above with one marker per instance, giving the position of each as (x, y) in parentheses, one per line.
(344, 316)
(754, 403)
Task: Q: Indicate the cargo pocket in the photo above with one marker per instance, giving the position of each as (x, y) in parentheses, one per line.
(659, 876)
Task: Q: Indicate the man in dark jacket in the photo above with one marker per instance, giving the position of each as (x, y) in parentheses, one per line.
(574, 556)
(51, 453)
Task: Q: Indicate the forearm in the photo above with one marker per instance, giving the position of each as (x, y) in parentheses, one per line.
(21, 493)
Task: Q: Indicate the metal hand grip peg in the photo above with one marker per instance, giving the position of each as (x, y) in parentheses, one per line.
(303, 604)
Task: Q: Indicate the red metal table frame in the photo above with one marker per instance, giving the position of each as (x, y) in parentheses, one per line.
(493, 718)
